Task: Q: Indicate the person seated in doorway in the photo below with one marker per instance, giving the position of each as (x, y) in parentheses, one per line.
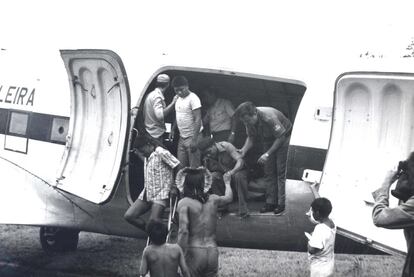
(222, 158)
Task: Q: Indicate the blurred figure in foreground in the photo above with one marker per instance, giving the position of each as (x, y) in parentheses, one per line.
(402, 216)
(161, 258)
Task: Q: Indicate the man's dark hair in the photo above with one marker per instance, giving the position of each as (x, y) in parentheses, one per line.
(179, 81)
(157, 232)
(404, 189)
(245, 108)
(323, 206)
(144, 139)
(204, 143)
(194, 185)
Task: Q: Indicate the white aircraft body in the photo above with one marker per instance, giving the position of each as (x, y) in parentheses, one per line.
(67, 120)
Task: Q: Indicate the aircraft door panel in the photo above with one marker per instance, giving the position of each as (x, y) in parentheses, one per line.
(371, 132)
(98, 124)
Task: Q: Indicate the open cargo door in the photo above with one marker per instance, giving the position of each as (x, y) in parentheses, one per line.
(372, 129)
(98, 123)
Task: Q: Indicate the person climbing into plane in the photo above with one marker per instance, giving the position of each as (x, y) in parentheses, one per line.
(159, 166)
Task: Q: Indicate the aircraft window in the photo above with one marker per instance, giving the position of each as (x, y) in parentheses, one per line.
(18, 123)
(59, 129)
(16, 137)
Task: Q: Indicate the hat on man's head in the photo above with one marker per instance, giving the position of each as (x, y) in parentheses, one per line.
(163, 78)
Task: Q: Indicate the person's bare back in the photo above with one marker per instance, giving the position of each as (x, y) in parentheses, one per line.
(198, 222)
(163, 260)
(203, 218)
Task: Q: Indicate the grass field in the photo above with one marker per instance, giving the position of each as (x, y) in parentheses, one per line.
(245, 262)
(102, 255)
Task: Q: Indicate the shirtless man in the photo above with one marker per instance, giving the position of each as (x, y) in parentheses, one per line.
(197, 223)
(162, 259)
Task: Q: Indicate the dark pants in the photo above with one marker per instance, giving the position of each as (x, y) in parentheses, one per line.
(221, 135)
(275, 173)
(241, 181)
(185, 155)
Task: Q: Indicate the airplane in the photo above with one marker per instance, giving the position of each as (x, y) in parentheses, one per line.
(68, 119)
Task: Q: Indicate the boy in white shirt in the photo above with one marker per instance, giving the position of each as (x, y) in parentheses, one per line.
(322, 241)
(188, 121)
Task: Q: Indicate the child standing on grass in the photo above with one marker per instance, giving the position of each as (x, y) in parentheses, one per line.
(161, 258)
(322, 241)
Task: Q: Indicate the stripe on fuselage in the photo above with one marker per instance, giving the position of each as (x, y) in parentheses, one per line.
(40, 126)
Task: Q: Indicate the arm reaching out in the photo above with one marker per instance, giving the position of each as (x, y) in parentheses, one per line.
(398, 217)
(228, 194)
(247, 145)
(170, 107)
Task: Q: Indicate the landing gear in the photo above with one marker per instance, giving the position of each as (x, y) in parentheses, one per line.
(55, 239)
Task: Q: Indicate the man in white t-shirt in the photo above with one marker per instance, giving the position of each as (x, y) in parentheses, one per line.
(188, 121)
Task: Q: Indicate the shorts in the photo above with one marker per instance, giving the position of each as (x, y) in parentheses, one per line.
(142, 196)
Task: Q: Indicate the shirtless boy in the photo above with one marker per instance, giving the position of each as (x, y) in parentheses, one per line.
(161, 259)
(198, 221)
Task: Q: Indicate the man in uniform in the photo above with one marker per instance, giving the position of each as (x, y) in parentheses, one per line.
(269, 130)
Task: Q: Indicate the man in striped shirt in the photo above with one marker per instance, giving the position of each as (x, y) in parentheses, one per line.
(159, 165)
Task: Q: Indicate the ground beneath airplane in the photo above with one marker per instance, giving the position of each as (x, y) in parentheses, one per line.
(101, 255)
